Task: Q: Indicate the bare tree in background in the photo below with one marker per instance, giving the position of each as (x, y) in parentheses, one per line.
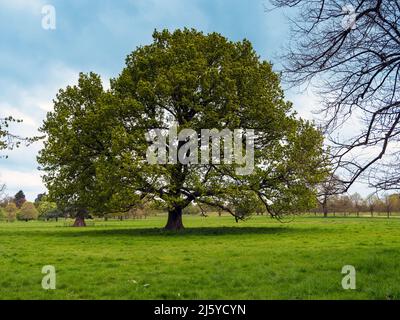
(329, 188)
(373, 203)
(357, 202)
(349, 50)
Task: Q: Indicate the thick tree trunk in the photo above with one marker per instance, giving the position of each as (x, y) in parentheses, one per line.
(174, 220)
(79, 222)
(80, 219)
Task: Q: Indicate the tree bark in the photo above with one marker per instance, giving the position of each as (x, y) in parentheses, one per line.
(325, 208)
(174, 220)
(80, 219)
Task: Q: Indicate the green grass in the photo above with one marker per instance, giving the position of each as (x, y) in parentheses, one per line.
(214, 258)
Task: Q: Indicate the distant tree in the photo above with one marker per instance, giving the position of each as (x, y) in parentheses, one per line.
(334, 204)
(27, 212)
(395, 199)
(54, 213)
(373, 203)
(45, 207)
(391, 203)
(39, 198)
(356, 200)
(2, 214)
(246, 204)
(328, 189)
(6, 200)
(344, 204)
(388, 204)
(11, 212)
(192, 209)
(19, 199)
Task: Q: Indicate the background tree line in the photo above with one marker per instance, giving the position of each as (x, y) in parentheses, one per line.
(17, 207)
(355, 204)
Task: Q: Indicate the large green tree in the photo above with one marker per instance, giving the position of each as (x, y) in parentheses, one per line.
(78, 134)
(95, 156)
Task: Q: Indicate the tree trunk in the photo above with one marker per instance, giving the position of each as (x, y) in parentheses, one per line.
(80, 219)
(79, 222)
(325, 209)
(174, 220)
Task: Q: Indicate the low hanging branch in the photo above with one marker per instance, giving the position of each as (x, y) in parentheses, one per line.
(9, 140)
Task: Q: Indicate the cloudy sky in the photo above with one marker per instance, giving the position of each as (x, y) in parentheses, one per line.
(97, 36)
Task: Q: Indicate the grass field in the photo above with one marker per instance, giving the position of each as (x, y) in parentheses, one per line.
(214, 258)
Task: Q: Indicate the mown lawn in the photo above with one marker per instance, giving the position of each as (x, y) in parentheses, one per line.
(214, 258)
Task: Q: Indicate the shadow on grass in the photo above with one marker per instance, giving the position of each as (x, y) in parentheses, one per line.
(143, 232)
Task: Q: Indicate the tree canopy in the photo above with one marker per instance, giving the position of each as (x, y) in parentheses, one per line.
(95, 156)
(27, 212)
(19, 198)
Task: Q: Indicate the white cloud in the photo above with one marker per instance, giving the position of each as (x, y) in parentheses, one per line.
(33, 6)
(7, 110)
(30, 182)
(29, 103)
(305, 103)
(14, 179)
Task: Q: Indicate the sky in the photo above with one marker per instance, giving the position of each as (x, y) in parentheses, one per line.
(35, 62)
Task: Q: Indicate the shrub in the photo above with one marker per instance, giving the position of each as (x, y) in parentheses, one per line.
(11, 212)
(28, 212)
(192, 209)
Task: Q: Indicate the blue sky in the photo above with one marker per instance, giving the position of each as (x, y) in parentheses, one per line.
(97, 36)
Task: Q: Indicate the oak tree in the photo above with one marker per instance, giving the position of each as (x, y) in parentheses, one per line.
(95, 156)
